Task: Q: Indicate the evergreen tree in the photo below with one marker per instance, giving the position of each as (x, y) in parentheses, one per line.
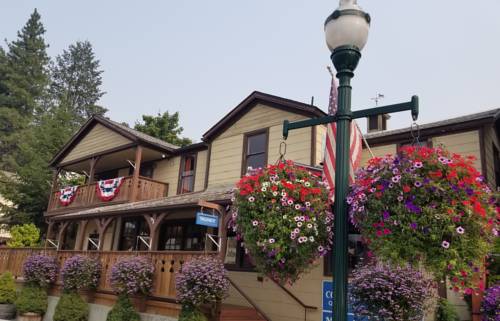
(165, 127)
(23, 83)
(76, 81)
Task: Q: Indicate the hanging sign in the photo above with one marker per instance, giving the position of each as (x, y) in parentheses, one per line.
(107, 189)
(207, 219)
(67, 195)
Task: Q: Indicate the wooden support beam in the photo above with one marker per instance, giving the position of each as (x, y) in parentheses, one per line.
(154, 221)
(135, 177)
(215, 206)
(102, 225)
(50, 226)
(62, 231)
(93, 163)
(82, 226)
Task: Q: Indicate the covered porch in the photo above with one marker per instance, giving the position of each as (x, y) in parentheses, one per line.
(167, 224)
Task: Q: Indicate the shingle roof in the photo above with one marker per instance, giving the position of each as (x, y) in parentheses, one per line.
(220, 194)
(492, 114)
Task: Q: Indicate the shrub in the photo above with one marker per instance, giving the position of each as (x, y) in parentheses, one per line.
(491, 303)
(32, 299)
(7, 288)
(201, 280)
(26, 235)
(133, 275)
(71, 307)
(429, 206)
(191, 314)
(80, 272)
(446, 312)
(284, 216)
(123, 310)
(40, 270)
(390, 293)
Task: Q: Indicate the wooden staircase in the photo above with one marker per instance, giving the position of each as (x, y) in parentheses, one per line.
(239, 313)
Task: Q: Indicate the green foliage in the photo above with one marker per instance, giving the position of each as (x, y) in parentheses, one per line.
(23, 80)
(189, 313)
(446, 312)
(123, 310)
(7, 288)
(163, 126)
(71, 307)
(40, 108)
(32, 299)
(26, 235)
(76, 81)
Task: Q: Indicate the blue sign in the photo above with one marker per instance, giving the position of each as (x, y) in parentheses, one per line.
(207, 219)
(328, 304)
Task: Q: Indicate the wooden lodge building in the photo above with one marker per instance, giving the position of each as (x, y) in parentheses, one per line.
(163, 187)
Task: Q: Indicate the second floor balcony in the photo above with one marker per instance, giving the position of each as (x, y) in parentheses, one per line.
(87, 195)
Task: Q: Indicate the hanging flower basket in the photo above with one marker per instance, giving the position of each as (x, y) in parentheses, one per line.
(427, 206)
(283, 214)
(67, 195)
(109, 188)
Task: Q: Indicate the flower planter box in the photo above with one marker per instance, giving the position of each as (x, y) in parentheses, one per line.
(29, 317)
(7, 311)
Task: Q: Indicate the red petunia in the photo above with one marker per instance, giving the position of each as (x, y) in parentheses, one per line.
(406, 188)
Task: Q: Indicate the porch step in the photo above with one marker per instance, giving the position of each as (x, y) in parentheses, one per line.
(239, 313)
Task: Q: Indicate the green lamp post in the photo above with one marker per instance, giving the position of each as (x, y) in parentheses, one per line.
(346, 33)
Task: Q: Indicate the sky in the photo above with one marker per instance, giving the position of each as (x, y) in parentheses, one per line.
(202, 58)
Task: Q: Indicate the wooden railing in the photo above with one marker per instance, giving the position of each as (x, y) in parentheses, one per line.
(166, 263)
(86, 195)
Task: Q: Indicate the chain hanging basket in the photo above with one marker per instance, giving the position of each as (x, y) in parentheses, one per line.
(428, 207)
(283, 214)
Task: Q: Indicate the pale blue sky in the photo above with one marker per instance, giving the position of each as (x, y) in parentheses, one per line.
(203, 57)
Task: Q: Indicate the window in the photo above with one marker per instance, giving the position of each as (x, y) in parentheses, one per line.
(255, 152)
(356, 251)
(132, 228)
(182, 235)
(186, 175)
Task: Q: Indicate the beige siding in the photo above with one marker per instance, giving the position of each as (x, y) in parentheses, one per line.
(167, 170)
(490, 140)
(122, 172)
(378, 151)
(201, 167)
(98, 139)
(260, 116)
(274, 301)
(466, 144)
(227, 148)
(320, 143)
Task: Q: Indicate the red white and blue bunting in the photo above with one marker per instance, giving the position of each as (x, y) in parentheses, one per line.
(67, 195)
(107, 189)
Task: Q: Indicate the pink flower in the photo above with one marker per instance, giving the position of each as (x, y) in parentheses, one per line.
(255, 223)
(445, 244)
(251, 199)
(460, 230)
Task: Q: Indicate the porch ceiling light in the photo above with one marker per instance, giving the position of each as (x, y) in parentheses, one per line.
(348, 25)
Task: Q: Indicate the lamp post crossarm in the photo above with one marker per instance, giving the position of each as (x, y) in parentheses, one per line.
(410, 105)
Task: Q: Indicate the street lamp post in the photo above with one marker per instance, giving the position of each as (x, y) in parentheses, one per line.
(346, 32)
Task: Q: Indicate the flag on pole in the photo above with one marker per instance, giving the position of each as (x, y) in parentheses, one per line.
(330, 146)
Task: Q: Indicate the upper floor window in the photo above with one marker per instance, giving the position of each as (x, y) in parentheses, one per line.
(255, 150)
(186, 176)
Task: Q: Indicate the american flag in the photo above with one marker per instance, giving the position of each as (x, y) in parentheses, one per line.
(355, 144)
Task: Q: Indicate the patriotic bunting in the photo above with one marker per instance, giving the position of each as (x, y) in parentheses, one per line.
(67, 195)
(109, 188)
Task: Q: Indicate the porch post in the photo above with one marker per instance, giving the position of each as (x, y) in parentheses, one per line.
(62, 231)
(102, 226)
(93, 163)
(154, 221)
(137, 169)
(49, 232)
(223, 234)
(53, 188)
(82, 226)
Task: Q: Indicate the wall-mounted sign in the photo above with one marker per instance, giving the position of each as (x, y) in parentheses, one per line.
(207, 219)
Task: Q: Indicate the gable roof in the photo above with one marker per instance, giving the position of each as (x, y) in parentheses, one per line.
(132, 134)
(267, 99)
